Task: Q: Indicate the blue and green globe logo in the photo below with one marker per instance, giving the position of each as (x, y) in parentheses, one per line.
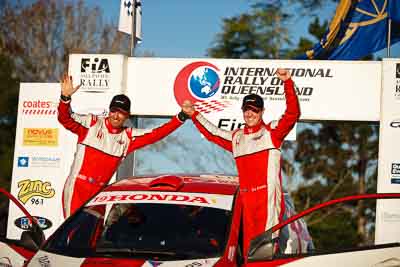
(204, 82)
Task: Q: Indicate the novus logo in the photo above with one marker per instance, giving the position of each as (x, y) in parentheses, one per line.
(35, 188)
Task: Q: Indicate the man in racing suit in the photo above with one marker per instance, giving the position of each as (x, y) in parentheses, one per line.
(103, 142)
(256, 150)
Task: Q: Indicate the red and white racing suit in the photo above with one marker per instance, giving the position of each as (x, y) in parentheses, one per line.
(100, 149)
(258, 160)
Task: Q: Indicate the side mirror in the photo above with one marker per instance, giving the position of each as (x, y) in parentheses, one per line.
(33, 238)
(261, 247)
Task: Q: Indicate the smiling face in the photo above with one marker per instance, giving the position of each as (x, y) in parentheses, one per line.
(252, 116)
(117, 118)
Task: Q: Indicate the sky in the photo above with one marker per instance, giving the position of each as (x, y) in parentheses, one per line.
(186, 28)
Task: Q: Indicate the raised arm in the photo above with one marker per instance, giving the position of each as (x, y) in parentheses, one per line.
(292, 112)
(143, 137)
(210, 131)
(75, 123)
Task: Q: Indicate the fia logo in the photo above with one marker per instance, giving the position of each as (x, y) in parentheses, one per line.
(96, 65)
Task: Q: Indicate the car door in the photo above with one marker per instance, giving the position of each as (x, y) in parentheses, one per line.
(336, 240)
(14, 252)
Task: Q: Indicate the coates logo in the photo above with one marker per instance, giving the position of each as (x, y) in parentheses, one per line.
(198, 82)
(395, 123)
(38, 107)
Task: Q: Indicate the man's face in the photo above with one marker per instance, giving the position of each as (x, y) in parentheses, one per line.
(117, 117)
(252, 116)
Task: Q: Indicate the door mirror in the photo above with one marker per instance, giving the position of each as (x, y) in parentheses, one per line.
(32, 238)
(261, 247)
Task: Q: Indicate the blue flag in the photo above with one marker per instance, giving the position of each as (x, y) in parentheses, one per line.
(359, 28)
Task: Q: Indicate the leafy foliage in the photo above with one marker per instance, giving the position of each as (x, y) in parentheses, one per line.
(8, 117)
(39, 37)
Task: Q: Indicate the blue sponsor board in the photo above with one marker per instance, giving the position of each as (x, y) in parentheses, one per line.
(39, 161)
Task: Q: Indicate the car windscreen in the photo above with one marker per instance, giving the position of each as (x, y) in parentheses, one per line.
(155, 231)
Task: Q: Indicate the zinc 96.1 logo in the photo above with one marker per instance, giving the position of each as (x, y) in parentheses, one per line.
(197, 81)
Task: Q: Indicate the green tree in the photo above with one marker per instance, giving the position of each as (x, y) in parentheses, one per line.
(336, 160)
(260, 34)
(8, 117)
(40, 36)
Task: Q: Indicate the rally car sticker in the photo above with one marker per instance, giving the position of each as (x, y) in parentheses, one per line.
(186, 263)
(45, 259)
(8, 257)
(194, 199)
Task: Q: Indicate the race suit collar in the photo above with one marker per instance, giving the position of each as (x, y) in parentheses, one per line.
(253, 129)
(111, 129)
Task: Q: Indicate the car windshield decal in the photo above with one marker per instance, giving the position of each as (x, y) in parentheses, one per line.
(194, 199)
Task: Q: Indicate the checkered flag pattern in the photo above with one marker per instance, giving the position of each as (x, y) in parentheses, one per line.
(211, 106)
(128, 6)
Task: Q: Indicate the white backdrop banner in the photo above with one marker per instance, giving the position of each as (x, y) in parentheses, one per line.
(44, 149)
(42, 157)
(327, 90)
(101, 76)
(388, 211)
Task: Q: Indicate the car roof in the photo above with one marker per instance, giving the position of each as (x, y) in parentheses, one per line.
(200, 183)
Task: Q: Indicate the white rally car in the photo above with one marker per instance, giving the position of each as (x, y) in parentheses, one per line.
(15, 252)
(180, 220)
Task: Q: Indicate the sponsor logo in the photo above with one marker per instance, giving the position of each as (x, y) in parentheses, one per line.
(199, 82)
(391, 262)
(395, 171)
(5, 262)
(39, 162)
(96, 65)
(44, 261)
(40, 137)
(212, 89)
(25, 223)
(155, 263)
(391, 217)
(23, 161)
(395, 123)
(29, 189)
(150, 197)
(95, 74)
(39, 108)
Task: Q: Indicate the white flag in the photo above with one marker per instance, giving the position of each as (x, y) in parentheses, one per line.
(126, 17)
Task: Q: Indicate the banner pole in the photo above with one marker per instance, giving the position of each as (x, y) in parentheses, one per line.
(388, 37)
(133, 31)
